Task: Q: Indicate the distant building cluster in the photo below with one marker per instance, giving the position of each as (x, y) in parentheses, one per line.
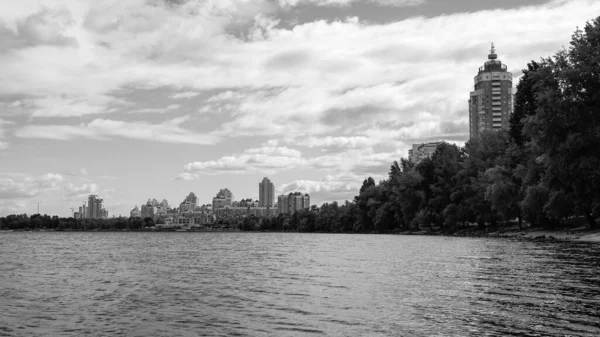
(94, 209)
(224, 207)
(151, 208)
(288, 204)
(191, 214)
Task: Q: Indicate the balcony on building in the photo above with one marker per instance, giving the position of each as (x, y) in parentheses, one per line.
(493, 65)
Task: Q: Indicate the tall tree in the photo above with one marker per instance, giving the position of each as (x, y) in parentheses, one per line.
(566, 127)
(525, 103)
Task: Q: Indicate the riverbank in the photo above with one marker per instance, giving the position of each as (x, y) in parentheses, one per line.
(566, 233)
(578, 234)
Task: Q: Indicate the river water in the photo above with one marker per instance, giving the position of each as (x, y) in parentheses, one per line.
(277, 284)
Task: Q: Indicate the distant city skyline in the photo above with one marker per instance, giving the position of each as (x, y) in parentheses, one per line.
(133, 99)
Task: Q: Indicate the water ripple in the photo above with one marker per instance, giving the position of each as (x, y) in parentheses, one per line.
(268, 284)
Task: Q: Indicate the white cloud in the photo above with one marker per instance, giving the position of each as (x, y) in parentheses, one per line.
(339, 142)
(167, 109)
(264, 159)
(102, 129)
(184, 95)
(3, 144)
(394, 3)
(2, 124)
(77, 192)
(81, 173)
(13, 206)
(53, 106)
(270, 160)
(344, 86)
(25, 186)
(325, 71)
(325, 190)
(311, 186)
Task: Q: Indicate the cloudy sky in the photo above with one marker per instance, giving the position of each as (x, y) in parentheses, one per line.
(143, 99)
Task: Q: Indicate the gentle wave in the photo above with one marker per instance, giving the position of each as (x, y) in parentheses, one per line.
(274, 284)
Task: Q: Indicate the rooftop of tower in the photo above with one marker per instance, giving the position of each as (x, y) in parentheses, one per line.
(493, 64)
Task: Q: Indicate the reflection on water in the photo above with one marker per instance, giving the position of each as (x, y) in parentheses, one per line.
(224, 284)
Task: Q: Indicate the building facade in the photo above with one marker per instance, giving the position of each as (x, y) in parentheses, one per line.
(95, 208)
(422, 151)
(242, 212)
(149, 211)
(288, 204)
(222, 199)
(135, 212)
(282, 204)
(194, 220)
(225, 193)
(266, 193)
(491, 103)
(188, 204)
(82, 211)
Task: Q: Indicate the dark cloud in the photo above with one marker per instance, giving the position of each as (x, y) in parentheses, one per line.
(372, 169)
(371, 14)
(394, 125)
(404, 53)
(10, 40)
(175, 2)
(352, 116)
(451, 127)
(46, 27)
(290, 59)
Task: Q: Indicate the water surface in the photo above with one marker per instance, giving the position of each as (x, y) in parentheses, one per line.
(276, 284)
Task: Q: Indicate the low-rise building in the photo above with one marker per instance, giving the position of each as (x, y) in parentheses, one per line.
(242, 212)
(422, 151)
(288, 204)
(190, 220)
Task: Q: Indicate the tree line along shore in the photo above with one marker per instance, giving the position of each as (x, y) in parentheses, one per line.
(544, 172)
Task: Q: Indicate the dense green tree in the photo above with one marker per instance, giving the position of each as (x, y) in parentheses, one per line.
(503, 193)
(366, 202)
(565, 129)
(446, 162)
(409, 196)
(525, 103)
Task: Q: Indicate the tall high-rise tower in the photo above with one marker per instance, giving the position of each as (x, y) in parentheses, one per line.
(91, 209)
(490, 104)
(266, 193)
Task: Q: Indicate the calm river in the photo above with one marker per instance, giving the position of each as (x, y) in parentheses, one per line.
(273, 284)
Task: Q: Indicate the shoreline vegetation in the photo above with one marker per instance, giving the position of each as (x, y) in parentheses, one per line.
(539, 180)
(577, 232)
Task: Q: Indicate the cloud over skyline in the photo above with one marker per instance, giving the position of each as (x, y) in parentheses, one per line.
(187, 94)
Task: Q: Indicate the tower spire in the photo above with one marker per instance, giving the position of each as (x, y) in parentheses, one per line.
(492, 55)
